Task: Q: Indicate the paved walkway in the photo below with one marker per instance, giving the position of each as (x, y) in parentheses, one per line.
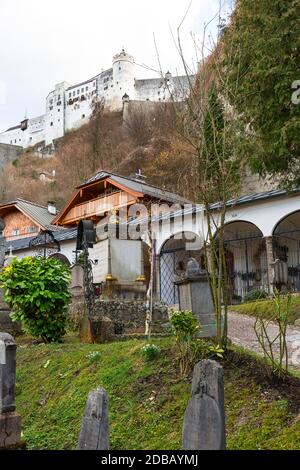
(241, 332)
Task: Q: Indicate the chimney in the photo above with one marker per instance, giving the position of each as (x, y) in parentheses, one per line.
(52, 208)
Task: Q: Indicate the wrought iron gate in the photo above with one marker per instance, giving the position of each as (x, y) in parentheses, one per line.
(173, 263)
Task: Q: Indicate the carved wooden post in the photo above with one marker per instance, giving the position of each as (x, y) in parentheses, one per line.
(94, 434)
(204, 419)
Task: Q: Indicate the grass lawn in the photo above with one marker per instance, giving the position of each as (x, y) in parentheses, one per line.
(147, 399)
(264, 308)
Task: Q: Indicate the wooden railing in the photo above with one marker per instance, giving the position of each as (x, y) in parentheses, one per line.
(98, 206)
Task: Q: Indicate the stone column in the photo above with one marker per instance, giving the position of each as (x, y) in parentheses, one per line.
(10, 421)
(270, 262)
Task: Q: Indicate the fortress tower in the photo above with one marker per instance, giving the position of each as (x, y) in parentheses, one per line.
(123, 78)
(68, 107)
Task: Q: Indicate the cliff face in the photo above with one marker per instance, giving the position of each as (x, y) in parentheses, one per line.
(9, 153)
(145, 139)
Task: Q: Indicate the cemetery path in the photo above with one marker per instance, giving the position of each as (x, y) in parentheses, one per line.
(241, 332)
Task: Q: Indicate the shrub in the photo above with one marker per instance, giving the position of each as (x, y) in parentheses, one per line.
(255, 295)
(185, 327)
(150, 351)
(37, 291)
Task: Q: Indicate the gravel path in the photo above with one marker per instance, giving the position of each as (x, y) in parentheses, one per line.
(241, 332)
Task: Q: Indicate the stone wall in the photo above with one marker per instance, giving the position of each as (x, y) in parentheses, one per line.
(7, 325)
(128, 315)
(8, 153)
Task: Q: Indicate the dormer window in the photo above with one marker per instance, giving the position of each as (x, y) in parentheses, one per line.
(16, 232)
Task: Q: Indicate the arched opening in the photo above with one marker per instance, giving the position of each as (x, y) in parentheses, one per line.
(174, 255)
(246, 259)
(286, 253)
(61, 258)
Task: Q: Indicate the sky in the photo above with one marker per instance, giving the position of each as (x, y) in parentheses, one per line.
(45, 42)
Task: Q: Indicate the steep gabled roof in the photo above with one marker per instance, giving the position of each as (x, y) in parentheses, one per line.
(133, 186)
(36, 212)
(136, 185)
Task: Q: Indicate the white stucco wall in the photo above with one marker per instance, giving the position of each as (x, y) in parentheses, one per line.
(265, 214)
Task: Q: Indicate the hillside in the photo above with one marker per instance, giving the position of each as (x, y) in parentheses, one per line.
(147, 141)
(147, 399)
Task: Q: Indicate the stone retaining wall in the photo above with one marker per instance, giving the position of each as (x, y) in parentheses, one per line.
(127, 315)
(7, 325)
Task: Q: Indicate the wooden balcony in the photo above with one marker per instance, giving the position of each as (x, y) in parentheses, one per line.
(98, 206)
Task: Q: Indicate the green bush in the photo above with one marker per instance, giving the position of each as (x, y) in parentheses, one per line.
(255, 295)
(37, 291)
(185, 327)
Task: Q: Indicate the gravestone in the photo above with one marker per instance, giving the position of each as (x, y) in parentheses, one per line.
(204, 419)
(94, 433)
(77, 280)
(10, 421)
(195, 295)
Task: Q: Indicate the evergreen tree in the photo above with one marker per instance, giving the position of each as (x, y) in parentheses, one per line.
(261, 55)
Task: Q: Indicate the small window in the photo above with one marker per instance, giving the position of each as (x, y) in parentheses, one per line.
(58, 110)
(74, 93)
(83, 116)
(82, 90)
(86, 88)
(70, 94)
(16, 232)
(78, 91)
(51, 123)
(31, 229)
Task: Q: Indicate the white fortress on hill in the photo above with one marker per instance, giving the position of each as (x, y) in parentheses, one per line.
(70, 106)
